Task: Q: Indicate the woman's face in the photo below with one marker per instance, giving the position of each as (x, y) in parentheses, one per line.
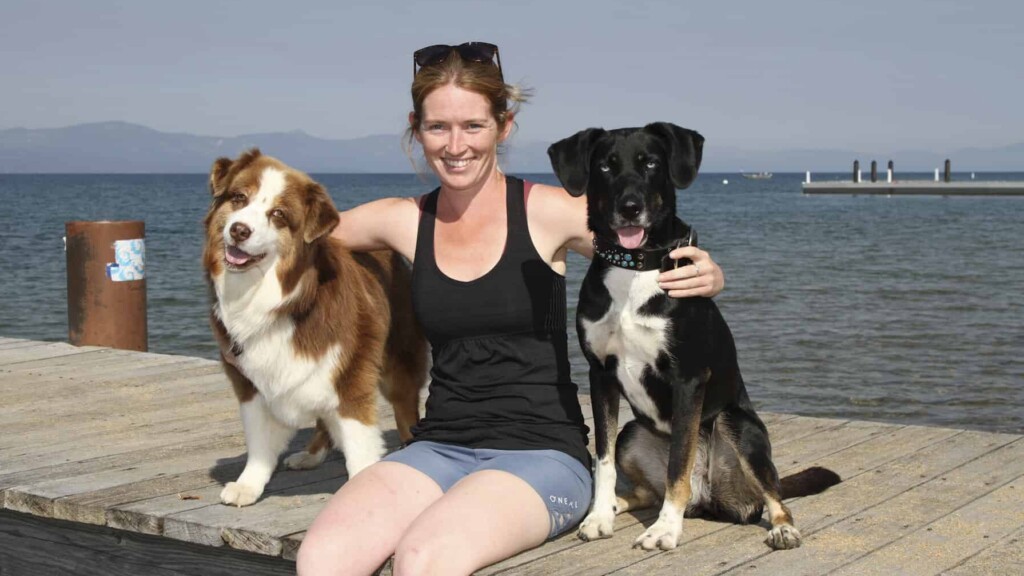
(460, 137)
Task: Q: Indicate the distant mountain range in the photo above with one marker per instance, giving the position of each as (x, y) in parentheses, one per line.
(121, 147)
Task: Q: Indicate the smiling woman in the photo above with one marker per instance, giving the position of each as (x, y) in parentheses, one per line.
(499, 462)
(451, 126)
(459, 137)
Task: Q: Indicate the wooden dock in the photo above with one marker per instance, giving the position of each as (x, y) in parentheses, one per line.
(916, 188)
(111, 463)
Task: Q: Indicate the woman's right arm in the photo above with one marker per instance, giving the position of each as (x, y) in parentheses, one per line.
(389, 223)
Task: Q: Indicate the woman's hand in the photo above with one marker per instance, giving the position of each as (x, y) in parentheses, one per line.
(701, 278)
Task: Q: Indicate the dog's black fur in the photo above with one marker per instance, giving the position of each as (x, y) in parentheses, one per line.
(696, 442)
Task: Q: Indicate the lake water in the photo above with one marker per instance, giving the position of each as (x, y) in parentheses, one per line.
(902, 309)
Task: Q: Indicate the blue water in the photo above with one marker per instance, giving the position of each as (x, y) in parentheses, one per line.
(902, 309)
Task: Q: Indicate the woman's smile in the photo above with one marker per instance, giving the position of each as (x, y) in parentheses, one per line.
(456, 163)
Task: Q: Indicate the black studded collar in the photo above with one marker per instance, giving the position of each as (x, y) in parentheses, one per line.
(643, 259)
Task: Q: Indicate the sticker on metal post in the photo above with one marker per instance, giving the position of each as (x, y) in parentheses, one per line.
(130, 261)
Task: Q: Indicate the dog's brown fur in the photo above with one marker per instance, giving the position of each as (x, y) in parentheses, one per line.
(333, 299)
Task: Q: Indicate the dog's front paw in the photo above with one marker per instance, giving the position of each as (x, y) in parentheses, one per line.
(238, 494)
(783, 537)
(662, 534)
(305, 460)
(597, 525)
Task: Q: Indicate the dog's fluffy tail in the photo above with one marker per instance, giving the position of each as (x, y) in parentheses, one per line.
(813, 480)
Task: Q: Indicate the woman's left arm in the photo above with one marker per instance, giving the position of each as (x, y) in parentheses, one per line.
(700, 278)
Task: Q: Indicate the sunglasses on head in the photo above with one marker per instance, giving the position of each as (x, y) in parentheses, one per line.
(479, 52)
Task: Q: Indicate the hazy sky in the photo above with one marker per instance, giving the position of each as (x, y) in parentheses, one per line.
(752, 74)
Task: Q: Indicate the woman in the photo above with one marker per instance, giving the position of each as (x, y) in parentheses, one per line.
(499, 462)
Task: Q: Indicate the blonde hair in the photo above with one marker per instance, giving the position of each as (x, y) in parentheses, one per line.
(484, 78)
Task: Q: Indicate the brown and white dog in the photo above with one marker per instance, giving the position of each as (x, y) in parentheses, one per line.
(311, 330)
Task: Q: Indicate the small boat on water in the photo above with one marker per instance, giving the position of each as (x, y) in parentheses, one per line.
(756, 175)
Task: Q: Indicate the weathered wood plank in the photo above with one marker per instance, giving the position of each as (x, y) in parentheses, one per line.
(50, 350)
(834, 523)
(133, 403)
(283, 514)
(101, 415)
(150, 439)
(148, 515)
(102, 363)
(30, 383)
(52, 498)
(799, 428)
(972, 526)
(81, 357)
(789, 456)
(15, 347)
(22, 489)
(71, 469)
(291, 542)
(608, 555)
(65, 365)
(26, 392)
(126, 432)
(78, 356)
(290, 545)
(36, 547)
(291, 502)
(197, 472)
(251, 528)
(1003, 557)
(114, 447)
(12, 343)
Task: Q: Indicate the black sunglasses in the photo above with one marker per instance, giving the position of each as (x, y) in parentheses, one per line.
(479, 52)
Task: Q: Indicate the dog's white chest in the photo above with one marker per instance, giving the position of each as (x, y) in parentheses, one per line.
(635, 339)
(295, 388)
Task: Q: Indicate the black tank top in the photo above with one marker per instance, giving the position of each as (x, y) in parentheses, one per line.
(500, 376)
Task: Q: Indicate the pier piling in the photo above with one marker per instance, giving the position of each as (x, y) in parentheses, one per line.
(106, 284)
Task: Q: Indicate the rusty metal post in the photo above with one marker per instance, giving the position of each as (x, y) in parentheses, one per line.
(106, 284)
(947, 170)
(874, 171)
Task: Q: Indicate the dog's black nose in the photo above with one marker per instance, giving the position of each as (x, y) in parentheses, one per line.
(240, 232)
(630, 209)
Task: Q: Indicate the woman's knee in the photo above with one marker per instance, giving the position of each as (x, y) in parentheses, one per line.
(416, 555)
(321, 555)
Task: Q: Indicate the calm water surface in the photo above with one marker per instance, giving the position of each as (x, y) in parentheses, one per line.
(905, 309)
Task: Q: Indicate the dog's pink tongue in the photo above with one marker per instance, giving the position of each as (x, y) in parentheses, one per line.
(630, 237)
(236, 256)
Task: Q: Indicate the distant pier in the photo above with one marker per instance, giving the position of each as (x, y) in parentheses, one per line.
(917, 187)
(945, 186)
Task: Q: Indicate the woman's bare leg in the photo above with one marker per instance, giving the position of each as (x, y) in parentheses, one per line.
(362, 523)
(487, 516)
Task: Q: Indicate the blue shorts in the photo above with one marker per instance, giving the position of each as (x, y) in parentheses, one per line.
(560, 480)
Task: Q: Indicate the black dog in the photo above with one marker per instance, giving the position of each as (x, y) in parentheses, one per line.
(696, 441)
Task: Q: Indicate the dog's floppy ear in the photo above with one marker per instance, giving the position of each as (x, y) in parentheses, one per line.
(218, 174)
(321, 215)
(687, 148)
(223, 166)
(570, 159)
